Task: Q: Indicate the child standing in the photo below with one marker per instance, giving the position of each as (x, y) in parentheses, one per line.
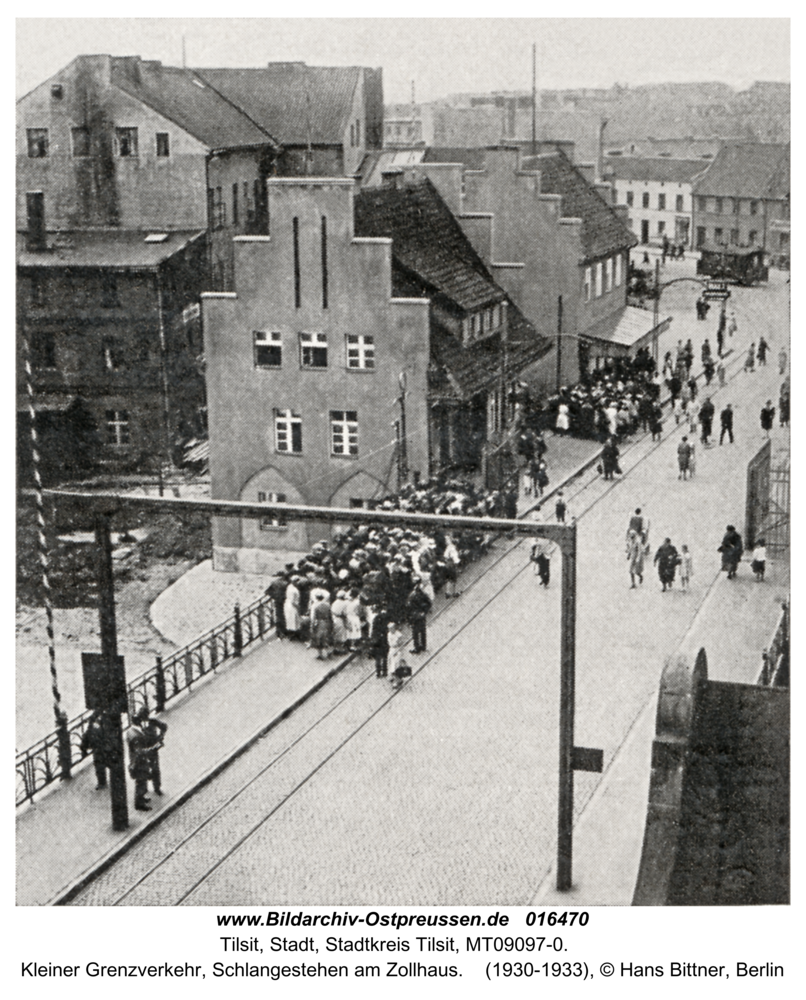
(759, 560)
(686, 567)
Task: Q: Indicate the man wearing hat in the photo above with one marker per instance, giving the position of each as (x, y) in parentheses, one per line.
(145, 741)
(418, 605)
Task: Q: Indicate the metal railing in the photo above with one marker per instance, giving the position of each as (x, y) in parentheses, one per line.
(775, 659)
(39, 765)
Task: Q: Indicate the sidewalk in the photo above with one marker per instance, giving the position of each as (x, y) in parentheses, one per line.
(611, 824)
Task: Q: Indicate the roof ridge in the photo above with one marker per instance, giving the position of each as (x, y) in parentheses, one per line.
(232, 104)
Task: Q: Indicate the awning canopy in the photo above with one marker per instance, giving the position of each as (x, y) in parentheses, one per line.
(630, 329)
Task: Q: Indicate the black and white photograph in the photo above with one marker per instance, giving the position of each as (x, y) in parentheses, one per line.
(403, 469)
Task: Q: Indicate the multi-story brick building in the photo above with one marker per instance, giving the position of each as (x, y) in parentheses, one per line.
(743, 198)
(367, 341)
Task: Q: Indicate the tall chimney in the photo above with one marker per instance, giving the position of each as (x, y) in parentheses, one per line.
(35, 201)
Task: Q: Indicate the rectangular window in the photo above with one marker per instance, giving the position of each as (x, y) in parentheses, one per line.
(272, 520)
(717, 235)
(679, 203)
(343, 432)
(81, 141)
(608, 274)
(719, 203)
(588, 284)
(700, 235)
(297, 287)
(43, 349)
(37, 143)
(126, 140)
(288, 432)
(753, 207)
(661, 228)
(235, 204)
(38, 290)
(219, 208)
(645, 199)
(598, 279)
(113, 354)
(617, 278)
(117, 427)
(360, 351)
(268, 349)
(702, 203)
(630, 197)
(736, 206)
(734, 236)
(109, 291)
(163, 144)
(313, 350)
(752, 237)
(661, 202)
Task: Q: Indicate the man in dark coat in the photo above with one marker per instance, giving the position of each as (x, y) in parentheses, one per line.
(418, 605)
(726, 422)
(96, 741)
(731, 549)
(666, 559)
(706, 420)
(276, 591)
(767, 417)
(379, 641)
(139, 764)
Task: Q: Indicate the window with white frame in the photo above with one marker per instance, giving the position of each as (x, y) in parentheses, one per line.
(617, 275)
(313, 350)
(599, 270)
(268, 349)
(588, 277)
(608, 274)
(117, 427)
(343, 432)
(274, 520)
(288, 432)
(360, 351)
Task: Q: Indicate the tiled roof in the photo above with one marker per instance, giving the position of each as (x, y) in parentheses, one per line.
(292, 101)
(747, 170)
(472, 158)
(428, 243)
(660, 168)
(108, 248)
(462, 372)
(626, 327)
(181, 97)
(603, 232)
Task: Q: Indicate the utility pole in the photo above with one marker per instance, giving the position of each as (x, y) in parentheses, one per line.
(404, 457)
(534, 98)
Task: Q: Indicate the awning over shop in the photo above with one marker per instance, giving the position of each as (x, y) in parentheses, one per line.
(629, 330)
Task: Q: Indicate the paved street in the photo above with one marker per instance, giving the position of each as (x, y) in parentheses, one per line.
(446, 792)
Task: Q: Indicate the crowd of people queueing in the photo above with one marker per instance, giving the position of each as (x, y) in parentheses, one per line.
(359, 591)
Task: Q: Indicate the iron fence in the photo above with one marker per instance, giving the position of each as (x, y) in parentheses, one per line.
(39, 766)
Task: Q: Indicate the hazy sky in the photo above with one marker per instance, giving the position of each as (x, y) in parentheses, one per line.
(441, 55)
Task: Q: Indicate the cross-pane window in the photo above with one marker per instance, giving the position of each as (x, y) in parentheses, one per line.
(274, 520)
(37, 143)
(360, 351)
(313, 350)
(117, 427)
(81, 141)
(288, 432)
(268, 349)
(126, 139)
(344, 432)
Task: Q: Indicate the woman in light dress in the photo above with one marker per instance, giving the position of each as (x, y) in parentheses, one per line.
(338, 612)
(563, 423)
(354, 618)
(291, 607)
(636, 550)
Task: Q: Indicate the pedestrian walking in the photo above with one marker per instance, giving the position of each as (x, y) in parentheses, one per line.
(750, 360)
(640, 525)
(709, 368)
(706, 420)
(379, 641)
(636, 551)
(683, 458)
(656, 424)
(321, 624)
(666, 559)
(540, 562)
(560, 507)
(731, 549)
(720, 341)
(686, 567)
(758, 559)
(417, 607)
(767, 417)
(705, 351)
(96, 741)
(782, 359)
(726, 423)
(720, 370)
(763, 347)
(733, 325)
(451, 561)
(609, 459)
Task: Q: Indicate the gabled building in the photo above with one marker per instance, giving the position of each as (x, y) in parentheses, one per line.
(367, 343)
(743, 199)
(657, 193)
